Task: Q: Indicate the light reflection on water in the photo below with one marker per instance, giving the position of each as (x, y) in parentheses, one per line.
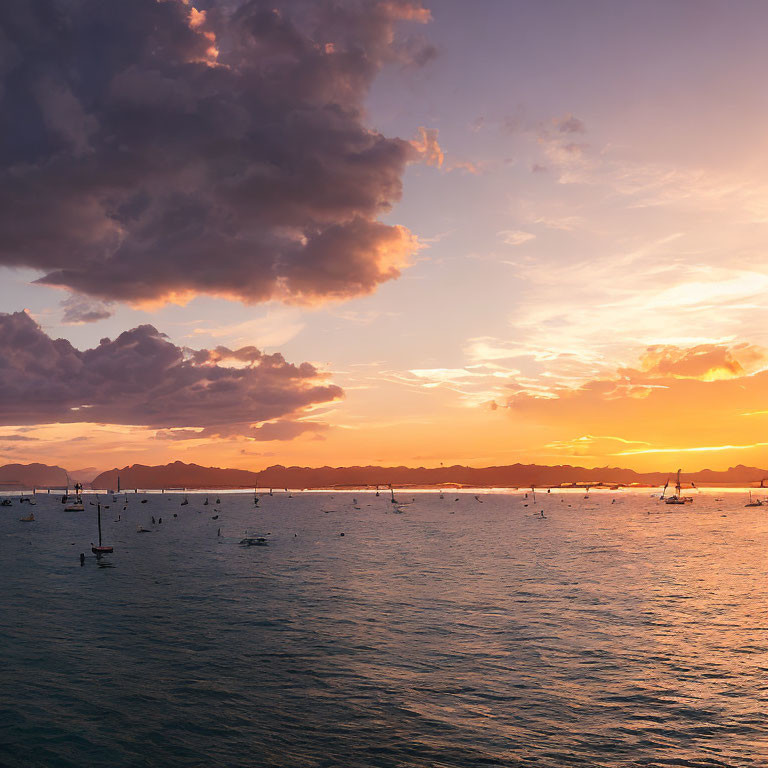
(601, 635)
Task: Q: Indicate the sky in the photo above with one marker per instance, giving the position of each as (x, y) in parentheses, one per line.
(384, 231)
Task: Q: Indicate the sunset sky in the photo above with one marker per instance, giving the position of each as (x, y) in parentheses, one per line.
(358, 232)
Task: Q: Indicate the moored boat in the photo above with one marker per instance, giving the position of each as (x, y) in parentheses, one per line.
(678, 498)
(101, 549)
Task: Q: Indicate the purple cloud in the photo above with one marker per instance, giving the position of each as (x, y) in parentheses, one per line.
(570, 124)
(286, 430)
(151, 151)
(78, 309)
(141, 378)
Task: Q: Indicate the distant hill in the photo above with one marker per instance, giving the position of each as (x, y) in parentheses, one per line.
(180, 475)
(521, 475)
(19, 477)
(175, 475)
(84, 475)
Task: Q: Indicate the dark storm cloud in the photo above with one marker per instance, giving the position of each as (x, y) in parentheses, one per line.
(151, 150)
(141, 378)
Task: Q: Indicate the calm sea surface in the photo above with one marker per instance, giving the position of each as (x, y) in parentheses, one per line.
(460, 633)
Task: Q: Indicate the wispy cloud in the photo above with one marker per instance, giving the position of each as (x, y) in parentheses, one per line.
(695, 449)
(516, 236)
(274, 329)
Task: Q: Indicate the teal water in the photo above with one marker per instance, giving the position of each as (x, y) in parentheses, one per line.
(459, 633)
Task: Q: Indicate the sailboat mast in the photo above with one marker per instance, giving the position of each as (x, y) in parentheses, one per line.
(118, 483)
(678, 488)
(98, 510)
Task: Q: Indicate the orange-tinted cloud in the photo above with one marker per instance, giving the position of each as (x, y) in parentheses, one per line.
(679, 400)
(427, 147)
(706, 362)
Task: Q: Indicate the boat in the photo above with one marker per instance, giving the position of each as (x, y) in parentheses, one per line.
(754, 502)
(102, 549)
(141, 529)
(6, 503)
(186, 501)
(30, 518)
(678, 498)
(254, 541)
(74, 506)
(205, 503)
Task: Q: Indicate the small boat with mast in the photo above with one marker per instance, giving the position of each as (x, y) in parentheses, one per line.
(102, 549)
(75, 505)
(678, 498)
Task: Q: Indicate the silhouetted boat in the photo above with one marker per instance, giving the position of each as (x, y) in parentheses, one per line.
(678, 498)
(102, 549)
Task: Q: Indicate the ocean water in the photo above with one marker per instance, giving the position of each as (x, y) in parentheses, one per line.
(459, 633)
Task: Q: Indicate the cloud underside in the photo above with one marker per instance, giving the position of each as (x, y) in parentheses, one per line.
(140, 378)
(152, 152)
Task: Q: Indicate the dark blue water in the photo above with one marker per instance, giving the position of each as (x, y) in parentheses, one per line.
(456, 634)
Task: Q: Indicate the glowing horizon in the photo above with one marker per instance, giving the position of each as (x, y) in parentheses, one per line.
(539, 241)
